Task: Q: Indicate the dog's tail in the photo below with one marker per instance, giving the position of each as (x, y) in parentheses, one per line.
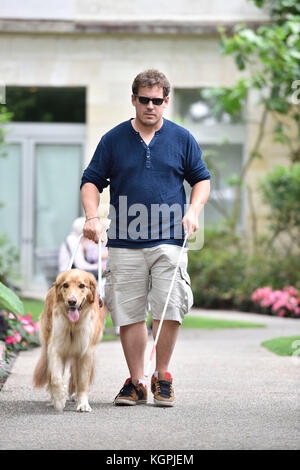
(40, 375)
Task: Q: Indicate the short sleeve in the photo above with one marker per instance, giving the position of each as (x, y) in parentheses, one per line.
(195, 167)
(98, 170)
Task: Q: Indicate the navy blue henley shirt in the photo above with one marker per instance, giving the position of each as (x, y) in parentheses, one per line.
(145, 181)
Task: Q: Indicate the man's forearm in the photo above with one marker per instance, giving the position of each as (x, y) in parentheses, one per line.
(90, 199)
(93, 228)
(199, 195)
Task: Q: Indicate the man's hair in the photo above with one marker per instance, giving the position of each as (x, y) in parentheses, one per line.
(151, 78)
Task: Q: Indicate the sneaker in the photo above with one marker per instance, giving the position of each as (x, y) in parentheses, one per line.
(162, 389)
(131, 394)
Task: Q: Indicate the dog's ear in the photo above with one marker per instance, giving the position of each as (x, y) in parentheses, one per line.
(92, 289)
(57, 285)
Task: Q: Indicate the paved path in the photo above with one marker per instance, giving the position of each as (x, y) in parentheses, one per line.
(231, 394)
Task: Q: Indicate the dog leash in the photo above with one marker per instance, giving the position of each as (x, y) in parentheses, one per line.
(165, 307)
(74, 253)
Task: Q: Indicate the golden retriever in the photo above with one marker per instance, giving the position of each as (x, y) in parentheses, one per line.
(70, 327)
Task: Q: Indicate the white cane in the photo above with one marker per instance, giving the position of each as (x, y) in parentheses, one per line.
(165, 307)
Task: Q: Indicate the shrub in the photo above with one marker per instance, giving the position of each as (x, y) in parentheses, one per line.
(217, 269)
(5, 362)
(21, 332)
(281, 191)
(285, 302)
(224, 274)
(17, 332)
(8, 260)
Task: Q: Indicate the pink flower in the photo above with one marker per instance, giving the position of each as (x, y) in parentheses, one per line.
(29, 328)
(10, 339)
(17, 336)
(11, 316)
(289, 306)
(27, 319)
(280, 301)
(290, 289)
(266, 302)
(262, 295)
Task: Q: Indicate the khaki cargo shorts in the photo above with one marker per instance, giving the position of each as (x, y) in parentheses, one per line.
(138, 282)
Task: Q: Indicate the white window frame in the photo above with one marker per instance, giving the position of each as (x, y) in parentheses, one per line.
(211, 135)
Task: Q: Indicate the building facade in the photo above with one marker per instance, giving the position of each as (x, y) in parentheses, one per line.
(99, 47)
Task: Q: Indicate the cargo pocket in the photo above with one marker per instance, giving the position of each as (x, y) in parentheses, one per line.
(188, 298)
(108, 289)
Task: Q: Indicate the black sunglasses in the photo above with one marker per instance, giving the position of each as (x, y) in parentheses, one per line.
(145, 100)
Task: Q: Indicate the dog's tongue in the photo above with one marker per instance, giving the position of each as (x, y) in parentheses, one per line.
(73, 315)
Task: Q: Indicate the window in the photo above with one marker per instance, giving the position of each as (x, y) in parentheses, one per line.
(222, 141)
(46, 104)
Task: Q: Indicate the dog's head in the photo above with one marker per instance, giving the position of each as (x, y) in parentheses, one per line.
(76, 289)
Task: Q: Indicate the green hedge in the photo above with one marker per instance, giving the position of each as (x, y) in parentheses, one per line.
(224, 274)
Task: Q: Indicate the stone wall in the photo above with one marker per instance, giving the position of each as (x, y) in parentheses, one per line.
(106, 64)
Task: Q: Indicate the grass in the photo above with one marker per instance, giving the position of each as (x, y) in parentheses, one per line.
(216, 323)
(284, 345)
(36, 307)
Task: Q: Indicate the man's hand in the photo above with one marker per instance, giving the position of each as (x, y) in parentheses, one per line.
(190, 221)
(199, 196)
(95, 230)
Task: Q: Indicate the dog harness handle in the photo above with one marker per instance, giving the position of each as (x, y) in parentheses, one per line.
(74, 253)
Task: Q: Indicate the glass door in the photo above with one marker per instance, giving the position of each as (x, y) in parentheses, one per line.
(57, 203)
(40, 196)
(10, 193)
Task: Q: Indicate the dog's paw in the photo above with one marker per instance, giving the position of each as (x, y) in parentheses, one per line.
(84, 407)
(59, 405)
(72, 397)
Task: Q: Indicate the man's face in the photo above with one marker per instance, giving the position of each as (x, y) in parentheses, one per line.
(149, 114)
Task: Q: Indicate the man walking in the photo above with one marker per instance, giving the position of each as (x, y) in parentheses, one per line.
(145, 160)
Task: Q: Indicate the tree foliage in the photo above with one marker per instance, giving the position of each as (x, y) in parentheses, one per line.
(268, 58)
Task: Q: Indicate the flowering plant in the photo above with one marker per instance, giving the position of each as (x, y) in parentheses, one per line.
(17, 331)
(285, 302)
(21, 332)
(6, 358)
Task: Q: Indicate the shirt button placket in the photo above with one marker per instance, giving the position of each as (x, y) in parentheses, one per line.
(148, 158)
